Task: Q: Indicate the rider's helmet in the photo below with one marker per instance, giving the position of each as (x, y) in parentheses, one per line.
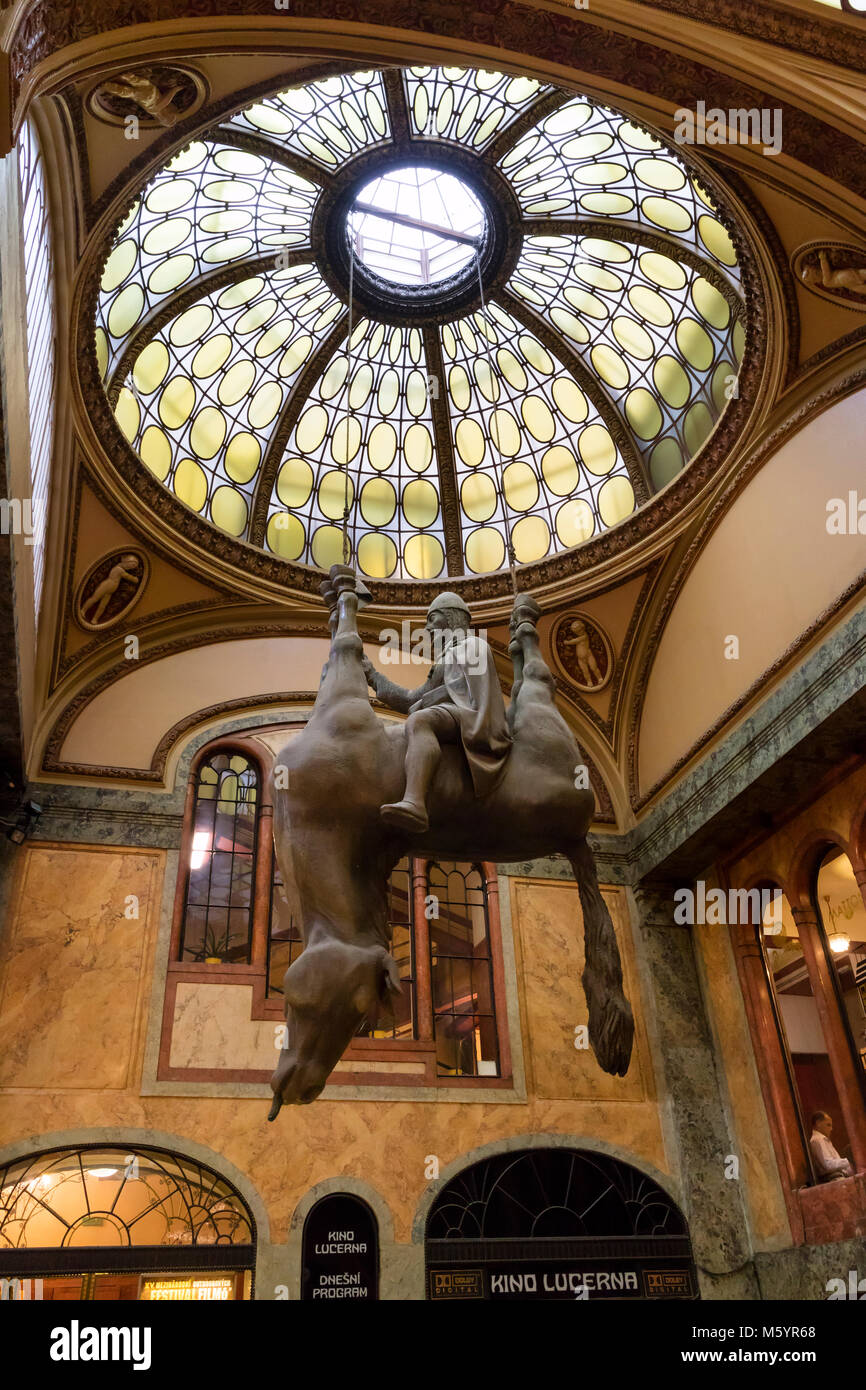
(447, 600)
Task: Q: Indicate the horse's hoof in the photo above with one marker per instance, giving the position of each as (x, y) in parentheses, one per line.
(405, 815)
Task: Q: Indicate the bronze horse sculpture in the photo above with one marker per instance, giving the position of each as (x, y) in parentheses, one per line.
(335, 851)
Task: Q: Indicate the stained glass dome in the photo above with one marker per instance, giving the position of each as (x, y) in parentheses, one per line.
(470, 314)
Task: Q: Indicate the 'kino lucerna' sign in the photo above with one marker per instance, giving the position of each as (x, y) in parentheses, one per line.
(573, 1279)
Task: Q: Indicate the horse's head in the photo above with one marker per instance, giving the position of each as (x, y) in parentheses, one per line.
(329, 990)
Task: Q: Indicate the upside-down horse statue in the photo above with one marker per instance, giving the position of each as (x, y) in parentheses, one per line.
(459, 779)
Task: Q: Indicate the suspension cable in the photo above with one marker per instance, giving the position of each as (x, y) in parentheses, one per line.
(498, 471)
(349, 407)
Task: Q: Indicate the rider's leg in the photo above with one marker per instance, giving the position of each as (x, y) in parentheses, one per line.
(426, 731)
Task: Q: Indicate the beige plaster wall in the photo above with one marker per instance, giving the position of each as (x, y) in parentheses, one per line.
(767, 572)
(122, 726)
(98, 533)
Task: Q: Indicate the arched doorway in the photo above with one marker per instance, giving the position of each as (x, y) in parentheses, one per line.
(556, 1223)
(122, 1222)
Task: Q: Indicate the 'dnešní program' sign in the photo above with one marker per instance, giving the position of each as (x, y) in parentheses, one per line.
(340, 1250)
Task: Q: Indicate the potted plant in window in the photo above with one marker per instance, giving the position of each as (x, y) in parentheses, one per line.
(213, 948)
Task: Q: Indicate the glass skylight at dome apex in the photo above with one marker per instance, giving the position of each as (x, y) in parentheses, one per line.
(416, 226)
(546, 321)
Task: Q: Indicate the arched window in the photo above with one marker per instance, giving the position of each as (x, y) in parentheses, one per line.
(234, 923)
(556, 1223)
(123, 1222)
(218, 911)
(40, 329)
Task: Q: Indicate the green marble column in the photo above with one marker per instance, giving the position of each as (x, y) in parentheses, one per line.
(696, 1127)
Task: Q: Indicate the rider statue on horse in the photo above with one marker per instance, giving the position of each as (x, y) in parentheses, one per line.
(460, 702)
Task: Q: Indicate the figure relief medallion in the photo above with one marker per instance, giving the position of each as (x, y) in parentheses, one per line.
(157, 95)
(834, 270)
(111, 588)
(583, 651)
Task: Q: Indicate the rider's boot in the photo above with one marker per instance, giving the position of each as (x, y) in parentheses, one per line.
(422, 755)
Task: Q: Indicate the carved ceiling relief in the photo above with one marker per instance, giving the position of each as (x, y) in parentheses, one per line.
(594, 682)
(833, 270)
(155, 96)
(583, 651)
(110, 589)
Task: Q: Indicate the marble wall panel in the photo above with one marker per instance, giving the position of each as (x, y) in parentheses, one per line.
(549, 924)
(74, 1068)
(74, 967)
(213, 1028)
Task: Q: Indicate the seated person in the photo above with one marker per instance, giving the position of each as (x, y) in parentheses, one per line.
(829, 1164)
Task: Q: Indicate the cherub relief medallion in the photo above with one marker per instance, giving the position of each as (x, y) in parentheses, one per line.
(158, 95)
(110, 589)
(583, 651)
(834, 270)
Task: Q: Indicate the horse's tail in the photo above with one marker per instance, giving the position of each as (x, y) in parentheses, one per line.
(611, 1023)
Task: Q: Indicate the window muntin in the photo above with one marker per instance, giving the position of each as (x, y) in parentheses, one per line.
(661, 337)
(203, 413)
(218, 912)
(398, 1019)
(326, 122)
(387, 446)
(408, 254)
(587, 159)
(466, 104)
(529, 442)
(285, 942)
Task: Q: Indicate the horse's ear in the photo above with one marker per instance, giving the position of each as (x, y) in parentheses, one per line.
(389, 980)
